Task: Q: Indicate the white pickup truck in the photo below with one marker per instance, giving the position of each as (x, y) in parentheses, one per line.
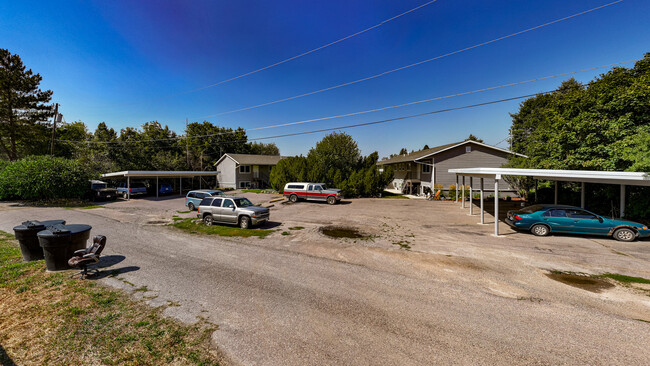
(311, 192)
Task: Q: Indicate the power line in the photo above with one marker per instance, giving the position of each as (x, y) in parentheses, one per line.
(377, 109)
(312, 51)
(415, 64)
(380, 121)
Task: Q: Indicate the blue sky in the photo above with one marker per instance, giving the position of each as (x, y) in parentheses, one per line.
(129, 62)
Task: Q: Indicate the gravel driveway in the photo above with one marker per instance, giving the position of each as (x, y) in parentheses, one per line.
(458, 296)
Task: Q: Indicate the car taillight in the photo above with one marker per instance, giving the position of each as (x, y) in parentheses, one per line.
(129, 189)
(517, 217)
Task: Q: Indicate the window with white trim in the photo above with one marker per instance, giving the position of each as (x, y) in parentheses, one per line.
(244, 168)
(426, 168)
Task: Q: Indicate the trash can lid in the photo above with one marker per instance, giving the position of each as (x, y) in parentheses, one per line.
(37, 225)
(54, 231)
(77, 228)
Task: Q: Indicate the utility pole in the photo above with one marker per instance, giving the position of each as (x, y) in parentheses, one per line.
(56, 116)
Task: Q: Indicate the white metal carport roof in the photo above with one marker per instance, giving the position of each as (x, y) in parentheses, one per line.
(584, 176)
(128, 174)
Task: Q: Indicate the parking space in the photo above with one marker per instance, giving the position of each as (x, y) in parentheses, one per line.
(422, 271)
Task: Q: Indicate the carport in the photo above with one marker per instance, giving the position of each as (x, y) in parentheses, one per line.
(128, 174)
(583, 176)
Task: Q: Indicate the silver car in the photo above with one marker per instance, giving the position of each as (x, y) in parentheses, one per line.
(232, 210)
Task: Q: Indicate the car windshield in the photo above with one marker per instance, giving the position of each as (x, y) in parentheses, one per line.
(98, 185)
(243, 202)
(322, 186)
(530, 209)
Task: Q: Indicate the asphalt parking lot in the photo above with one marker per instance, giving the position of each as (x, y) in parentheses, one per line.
(426, 284)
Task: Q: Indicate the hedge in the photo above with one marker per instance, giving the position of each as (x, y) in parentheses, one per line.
(43, 177)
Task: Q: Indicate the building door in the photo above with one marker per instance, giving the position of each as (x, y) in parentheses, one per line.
(256, 171)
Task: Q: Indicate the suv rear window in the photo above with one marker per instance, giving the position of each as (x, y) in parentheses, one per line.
(296, 186)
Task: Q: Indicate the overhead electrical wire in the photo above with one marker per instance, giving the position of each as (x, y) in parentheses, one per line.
(417, 63)
(374, 122)
(376, 109)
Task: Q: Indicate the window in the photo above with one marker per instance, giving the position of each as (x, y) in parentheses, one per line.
(296, 186)
(245, 169)
(228, 203)
(311, 188)
(243, 202)
(216, 202)
(205, 202)
(555, 213)
(317, 188)
(244, 184)
(581, 214)
(468, 149)
(426, 168)
(200, 195)
(191, 195)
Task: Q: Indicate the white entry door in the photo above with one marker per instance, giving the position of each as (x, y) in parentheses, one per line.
(256, 171)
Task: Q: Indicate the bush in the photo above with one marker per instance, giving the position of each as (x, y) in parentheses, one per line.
(43, 177)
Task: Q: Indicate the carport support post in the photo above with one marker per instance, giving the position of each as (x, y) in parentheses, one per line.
(622, 200)
(128, 187)
(471, 182)
(463, 194)
(496, 204)
(582, 195)
(555, 201)
(157, 187)
(181, 185)
(456, 198)
(482, 212)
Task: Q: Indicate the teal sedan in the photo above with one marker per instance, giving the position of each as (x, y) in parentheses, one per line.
(542, 220)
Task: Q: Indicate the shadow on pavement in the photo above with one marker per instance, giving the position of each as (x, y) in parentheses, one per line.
(110, 260)
(270, 225)
(114, 272)
(5, 359)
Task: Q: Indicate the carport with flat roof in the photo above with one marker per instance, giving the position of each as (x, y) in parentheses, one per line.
(128, 174)
(583, 176)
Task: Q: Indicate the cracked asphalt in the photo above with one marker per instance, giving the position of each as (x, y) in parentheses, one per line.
(459, 296)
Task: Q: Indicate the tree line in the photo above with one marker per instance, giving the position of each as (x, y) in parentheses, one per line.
(601, 125)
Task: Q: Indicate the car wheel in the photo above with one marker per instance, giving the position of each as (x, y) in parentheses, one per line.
(624, 234)
(540, 230)
(125, 195)
(293, 198)
(190, 206)
(207, 219)
(331, 200)
(244, 222)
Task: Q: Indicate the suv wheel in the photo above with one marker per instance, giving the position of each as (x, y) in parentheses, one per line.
(244, 222)
(207, 219)
(293, 198)
(624, 234)
(190, 206)
(331, 200)
(540, 230)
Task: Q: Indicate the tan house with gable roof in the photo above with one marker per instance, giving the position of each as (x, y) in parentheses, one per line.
(245, 170)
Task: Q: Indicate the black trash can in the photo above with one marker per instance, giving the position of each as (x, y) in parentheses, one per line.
(59, 242)
(26, 236)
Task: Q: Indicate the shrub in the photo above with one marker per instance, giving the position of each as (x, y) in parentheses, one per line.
(43, 177)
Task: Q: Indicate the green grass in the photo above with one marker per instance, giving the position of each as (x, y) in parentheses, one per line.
(624, 279)
(286, 233)
(52, 319)
(222, 230)
(387, 194)
(182, 212)
(296, 228)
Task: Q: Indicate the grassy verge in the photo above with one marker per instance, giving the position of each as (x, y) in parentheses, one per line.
(63, 202)
(199, 228)
(47, 318)
(387, 194)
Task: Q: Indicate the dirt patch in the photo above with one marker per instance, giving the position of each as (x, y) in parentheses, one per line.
(583, 282)
(342, 232)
